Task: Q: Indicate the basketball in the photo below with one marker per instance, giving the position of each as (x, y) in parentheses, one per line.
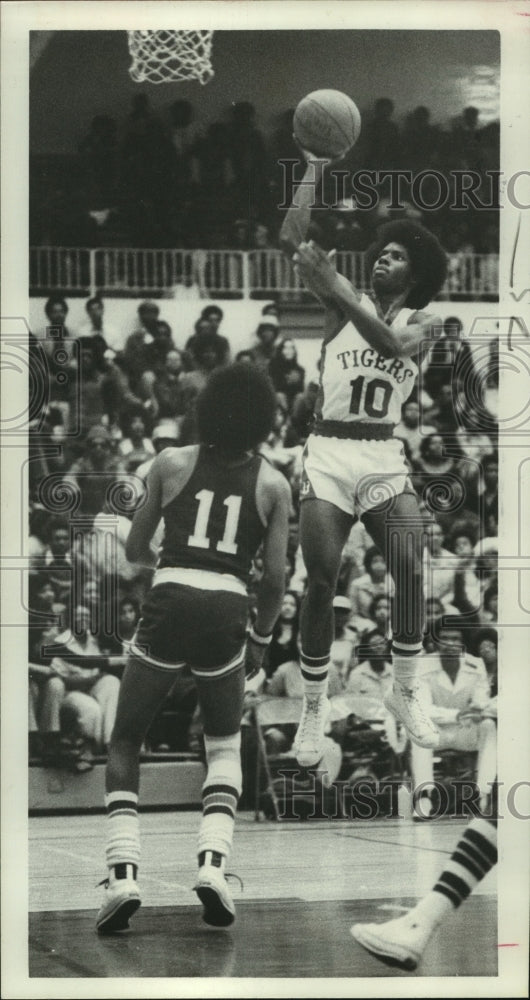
(327, 123)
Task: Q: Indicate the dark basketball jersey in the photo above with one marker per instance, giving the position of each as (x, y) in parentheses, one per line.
(213, 523)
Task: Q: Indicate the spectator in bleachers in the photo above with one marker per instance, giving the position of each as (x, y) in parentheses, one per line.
(286, 373)
(381, 139)
(486, 646)
(120, 400)
(96, 471)
(136, 446)
(439, 564)
(43, 597)
(166, 390)
(137, 354)
(82, 688)
(303, 409)
(267, 334)
(411, 429)
(344, 645)
(206, 333)
(86, 398)
(98, 151)
(375, 580)
(165, 435)
(489, 611)
(284, 642)
(456, 688)
(61, 561)
(373, 677)
(96, 325)
(433, 468)
(421, 140)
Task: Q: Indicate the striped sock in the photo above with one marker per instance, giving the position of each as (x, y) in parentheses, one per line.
(314, 671)
(405, 661)
(473, 857)
(220, 795)
(123, 834)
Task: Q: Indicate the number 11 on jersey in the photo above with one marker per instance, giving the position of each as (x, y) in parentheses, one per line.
(200, 539)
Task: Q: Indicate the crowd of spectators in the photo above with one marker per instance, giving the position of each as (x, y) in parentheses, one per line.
(111, 411)
(174, 180)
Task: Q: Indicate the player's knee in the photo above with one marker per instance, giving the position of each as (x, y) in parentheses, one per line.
(321, 588)
(55, 687)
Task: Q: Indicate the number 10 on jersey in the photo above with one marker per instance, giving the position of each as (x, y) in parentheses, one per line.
(200, 539)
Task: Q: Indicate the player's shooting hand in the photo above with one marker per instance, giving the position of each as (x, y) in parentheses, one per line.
(316, 268)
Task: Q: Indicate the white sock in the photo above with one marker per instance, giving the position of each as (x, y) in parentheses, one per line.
(405, 660)
(220, 793)
(123, 829)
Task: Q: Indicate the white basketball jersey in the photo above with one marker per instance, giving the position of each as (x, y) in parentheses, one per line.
(358, 384)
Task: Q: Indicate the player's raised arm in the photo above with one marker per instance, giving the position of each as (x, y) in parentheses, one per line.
(296, 223)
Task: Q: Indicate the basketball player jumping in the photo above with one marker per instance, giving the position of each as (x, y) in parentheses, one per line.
(353, 466)
(220, 501)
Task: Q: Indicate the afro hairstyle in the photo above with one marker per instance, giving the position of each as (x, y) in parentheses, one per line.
(235, 410)
(428, 259)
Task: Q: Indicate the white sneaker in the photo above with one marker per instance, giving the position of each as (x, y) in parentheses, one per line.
(308, 745)
(212, 890)
(397, 942)
(122, 899)
(405, 704)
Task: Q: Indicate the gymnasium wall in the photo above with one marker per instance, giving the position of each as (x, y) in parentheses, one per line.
(241, 319)
(81, 74)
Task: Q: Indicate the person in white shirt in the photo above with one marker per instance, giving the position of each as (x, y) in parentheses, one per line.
(439, 565)
(456, 692)
(410, 428)
(96, 325)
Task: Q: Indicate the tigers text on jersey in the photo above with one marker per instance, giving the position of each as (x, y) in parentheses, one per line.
(213, 523)
(357, 383)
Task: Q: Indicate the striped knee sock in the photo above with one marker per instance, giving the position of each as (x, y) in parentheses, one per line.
(220, 795)
(473, 857)
(123, 834)
(405, 661)
(314, 673)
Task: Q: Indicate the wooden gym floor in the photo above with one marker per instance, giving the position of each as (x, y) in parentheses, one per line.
(305, 883)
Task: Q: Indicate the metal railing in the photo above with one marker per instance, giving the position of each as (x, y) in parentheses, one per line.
(220, 273)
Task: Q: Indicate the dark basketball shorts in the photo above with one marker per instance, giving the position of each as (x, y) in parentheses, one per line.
(194, 625)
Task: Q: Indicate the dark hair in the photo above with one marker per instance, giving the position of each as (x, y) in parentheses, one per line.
(377, 600)
(208, 310)
(96, 300)
(428, 260)
(492, 459)
(55, 300)
(484, 634)
(426, 442)
(57, 524)
(235, 410)
(370, 555)
(148, 306)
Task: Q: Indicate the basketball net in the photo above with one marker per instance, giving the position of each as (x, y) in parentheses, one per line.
(165, 56)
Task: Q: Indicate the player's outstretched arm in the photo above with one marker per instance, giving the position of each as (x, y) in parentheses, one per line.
(315, 268)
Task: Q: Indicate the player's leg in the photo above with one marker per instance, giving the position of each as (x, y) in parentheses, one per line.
(221, 705)
(402, 941)
(324, 529)
(142, 691)
(398, 532)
